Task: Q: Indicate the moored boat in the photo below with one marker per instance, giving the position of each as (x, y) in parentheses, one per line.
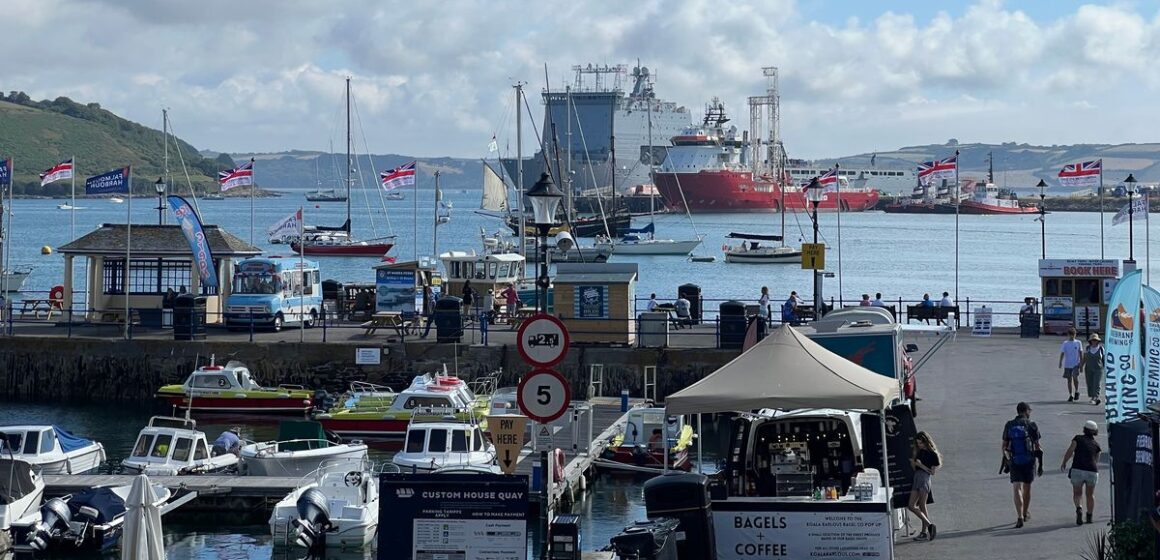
(640, 448)
(301, 447)
(232, 389)
(170, 446)
(438, 439)
(391, 421)
(21, 491)
(51, 449)
(337, 507)
(327, 195)
(751, 250)
(89, 521)
(13, 279)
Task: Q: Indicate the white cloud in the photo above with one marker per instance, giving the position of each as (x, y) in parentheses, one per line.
(435, 78)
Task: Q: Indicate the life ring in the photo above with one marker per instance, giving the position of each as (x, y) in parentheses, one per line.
(353, 478)
(558, 465)
(56, 293)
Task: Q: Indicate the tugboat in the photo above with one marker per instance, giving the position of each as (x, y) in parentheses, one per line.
(232, 388)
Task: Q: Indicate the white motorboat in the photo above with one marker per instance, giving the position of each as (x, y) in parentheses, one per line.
(446, 442)
(302, 446)
(90, 521)
(336, 507)
(51, 449)
(12, 280)
(171, 446)
(21, 491)
(632, 244)
(67, 206)
(752, 251)
(116, 200)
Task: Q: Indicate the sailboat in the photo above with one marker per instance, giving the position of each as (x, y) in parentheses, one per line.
(338, 241)
(751, 250)
(633, 244)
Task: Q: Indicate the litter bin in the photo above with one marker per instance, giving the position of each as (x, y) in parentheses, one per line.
(692, 292)
(654, 329)
(684, 497)
(731, 316)
(448, 319)
(1029, 325)
(189, 317)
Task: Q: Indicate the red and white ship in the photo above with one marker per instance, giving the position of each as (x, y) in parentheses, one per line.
(707, 170)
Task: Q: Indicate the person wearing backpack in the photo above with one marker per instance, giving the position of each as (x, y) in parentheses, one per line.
(1092, 365)
(1020, 448)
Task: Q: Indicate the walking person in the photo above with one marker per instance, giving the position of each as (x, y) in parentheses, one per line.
(926, 460)
(1020, 447)
(1092, 364)
(1084, 453)
(1070, 354)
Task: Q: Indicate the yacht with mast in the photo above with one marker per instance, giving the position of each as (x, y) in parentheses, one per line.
(339, 241)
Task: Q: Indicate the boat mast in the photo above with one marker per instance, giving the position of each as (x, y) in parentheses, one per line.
(348, 169)
(435, 226)
(520, 171)
(652, 191)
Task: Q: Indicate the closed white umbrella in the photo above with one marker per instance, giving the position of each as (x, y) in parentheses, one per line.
(142, 539)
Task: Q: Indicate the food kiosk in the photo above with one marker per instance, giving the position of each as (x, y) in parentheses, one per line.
(1075, 293)
(805, 438)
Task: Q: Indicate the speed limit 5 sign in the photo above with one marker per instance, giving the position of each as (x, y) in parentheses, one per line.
(543, 395)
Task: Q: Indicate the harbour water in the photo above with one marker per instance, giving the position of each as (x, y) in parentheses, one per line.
(902, 256)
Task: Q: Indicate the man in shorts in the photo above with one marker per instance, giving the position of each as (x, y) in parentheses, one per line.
(1020, 447)
(1070, 353)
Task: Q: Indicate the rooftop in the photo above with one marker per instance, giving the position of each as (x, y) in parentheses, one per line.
(155, 240)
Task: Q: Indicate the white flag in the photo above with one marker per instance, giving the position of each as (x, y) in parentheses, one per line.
(288, 227)
(492, 146)
(1139, 210)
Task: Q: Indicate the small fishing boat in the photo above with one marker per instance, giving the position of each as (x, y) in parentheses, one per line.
(51, 449)
(171, 446)
(12, 279)
(302, 446)
(21, 491)
(640, 448)
(89, 521)
(394, 195)
(337, 507)
(232, 388)
(391, 420)
(435, 442)
(116, 200)
(67, 206)
(752, 251)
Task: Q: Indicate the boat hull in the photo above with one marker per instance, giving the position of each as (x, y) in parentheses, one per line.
(343, 250)
(627, 460)
(655, 247)
(977, 208)
(81, 461)
(296, 405)
(737, 191)
(377, 428)
(13, 281)
(299, 463)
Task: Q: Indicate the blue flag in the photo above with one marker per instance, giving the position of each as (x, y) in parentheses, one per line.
(115, 181)
(6, 173)
(198, 244)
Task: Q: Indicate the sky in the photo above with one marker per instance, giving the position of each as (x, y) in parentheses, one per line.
(435, 78)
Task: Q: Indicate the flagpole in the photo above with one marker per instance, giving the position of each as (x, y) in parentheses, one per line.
(958, 202)
(72, 213)
(1101, 209)
(838, 187)
(302, 268)
(1147, 241)
(415, 218)
(128, 244)
(252, 184)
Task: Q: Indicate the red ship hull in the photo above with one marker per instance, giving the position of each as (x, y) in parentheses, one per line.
(972, 207)
(352, 250)
(735, 191)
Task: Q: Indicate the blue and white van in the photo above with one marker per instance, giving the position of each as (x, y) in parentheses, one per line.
(274, 291)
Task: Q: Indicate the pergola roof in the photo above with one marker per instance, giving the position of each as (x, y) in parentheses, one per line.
(155, 241)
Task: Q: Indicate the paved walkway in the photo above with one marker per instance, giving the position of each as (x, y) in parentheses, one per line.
(969, 390)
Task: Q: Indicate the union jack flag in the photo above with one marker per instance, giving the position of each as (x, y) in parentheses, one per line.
(400, 176)
(239, 177)
(930, 171)
(62, 170)
(1084, 174)
(829, 180)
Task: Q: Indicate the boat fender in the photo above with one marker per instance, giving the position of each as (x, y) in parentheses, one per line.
(558, 464)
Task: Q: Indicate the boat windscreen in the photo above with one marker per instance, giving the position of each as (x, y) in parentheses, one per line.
(15, 480)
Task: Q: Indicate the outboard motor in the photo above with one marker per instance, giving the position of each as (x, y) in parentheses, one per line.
(53, 525)
(313, 521)
(323, 401)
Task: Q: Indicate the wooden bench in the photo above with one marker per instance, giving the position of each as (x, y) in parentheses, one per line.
(36, 307)
(938, 313)
(117, 317)
(387, 319)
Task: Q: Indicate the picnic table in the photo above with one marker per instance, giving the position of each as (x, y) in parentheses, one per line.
(36, 307)
(387, 319)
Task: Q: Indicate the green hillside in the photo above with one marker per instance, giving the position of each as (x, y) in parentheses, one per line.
(40, 134)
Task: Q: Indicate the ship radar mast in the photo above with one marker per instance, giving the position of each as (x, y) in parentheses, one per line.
(601, 74)
(765, 129)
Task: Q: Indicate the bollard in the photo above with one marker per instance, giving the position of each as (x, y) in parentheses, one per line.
(624, 400)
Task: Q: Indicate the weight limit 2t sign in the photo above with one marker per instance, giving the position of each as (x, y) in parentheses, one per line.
(543, 341)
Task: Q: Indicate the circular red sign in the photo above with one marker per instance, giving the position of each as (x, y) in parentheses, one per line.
(543, 395)
(543, 340)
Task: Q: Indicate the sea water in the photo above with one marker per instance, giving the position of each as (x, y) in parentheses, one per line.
(903, 256)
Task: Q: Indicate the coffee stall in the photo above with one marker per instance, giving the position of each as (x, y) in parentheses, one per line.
(1075, 293)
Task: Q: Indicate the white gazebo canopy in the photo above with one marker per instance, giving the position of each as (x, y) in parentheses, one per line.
(786, 371)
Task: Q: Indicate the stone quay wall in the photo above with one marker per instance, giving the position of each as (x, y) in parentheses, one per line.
(81, 370)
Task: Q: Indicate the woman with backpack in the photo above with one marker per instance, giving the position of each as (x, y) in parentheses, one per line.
(926, 460)
(1092, 365)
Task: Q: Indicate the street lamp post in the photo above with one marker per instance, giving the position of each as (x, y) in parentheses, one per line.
(814, 194)
(1042, 186)
(159, 186)
(545, 198)
(1130, 183)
